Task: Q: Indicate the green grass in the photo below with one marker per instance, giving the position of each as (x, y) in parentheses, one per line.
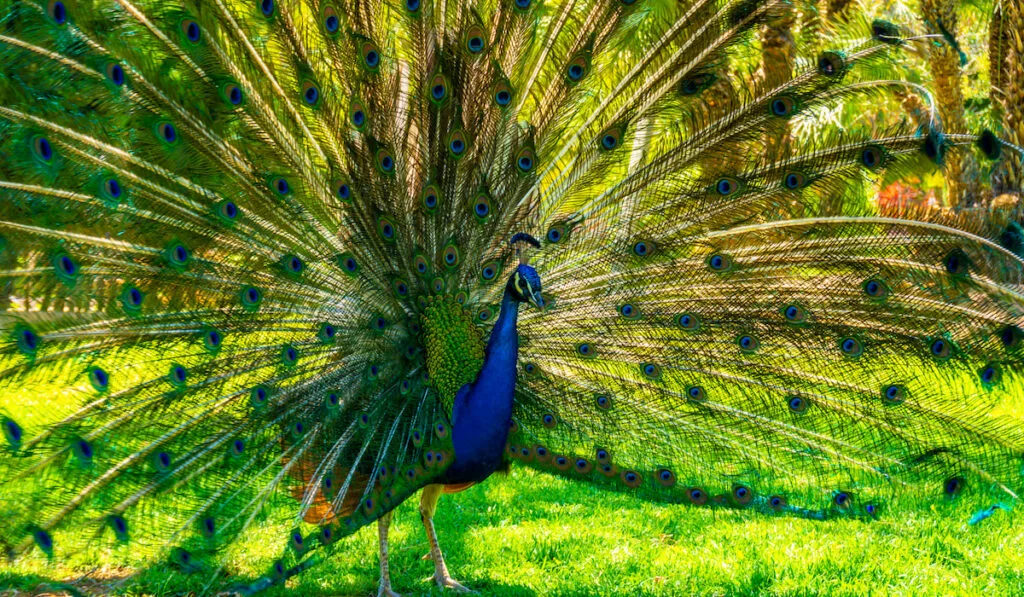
(532, 534)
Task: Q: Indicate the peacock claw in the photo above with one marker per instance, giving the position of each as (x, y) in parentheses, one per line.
(447, 582)
(387, 592)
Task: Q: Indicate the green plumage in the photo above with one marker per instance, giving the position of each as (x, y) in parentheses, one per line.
(249, 252)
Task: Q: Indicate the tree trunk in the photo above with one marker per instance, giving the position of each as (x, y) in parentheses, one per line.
(961, 171)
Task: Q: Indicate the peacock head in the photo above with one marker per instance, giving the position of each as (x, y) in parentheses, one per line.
(524, 286)
(524, 283)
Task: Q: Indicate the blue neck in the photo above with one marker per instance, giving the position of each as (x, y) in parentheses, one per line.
(483, 410)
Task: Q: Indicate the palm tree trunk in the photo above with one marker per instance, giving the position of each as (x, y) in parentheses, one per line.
(961, 172)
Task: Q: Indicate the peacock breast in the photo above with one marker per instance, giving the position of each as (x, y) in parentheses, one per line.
(454, 346)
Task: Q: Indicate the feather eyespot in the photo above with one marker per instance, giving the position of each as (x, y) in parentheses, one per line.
(386, 229)
(342, 190)
(956, 263)
(385, 162)
(421, 265)
(476, 41)
(357, 115)
(482, 207)
(893, 394)
(458, 144)
(794, 180)
(742, 495)
(842, 500)
(177, 375)
(489, 271)
(177, 255)
(99, 379)
(582, 466)
(941, 348)
(851, 347)
(526, 160)
(719, 262)
(783, 106)
(349, 264)
(876, 289)
(728, 186)
(586, 349)
(66, 268)
(115, 74)
(281, 186)
(990, 145)
(611, 138)
(872, 157)
(289, 355)
(413, 6)
(131, 299)
(484, 315)
(831, 64)
(641, 249)
(327, 333)
(232, 94)
(28, 341)
(631, 479)
(212, 340)
(650, 370)
(990, 374)
(451, 256)
(576, 69)
(43, 149)
(267, 8)
(191, 30)
(748, 343)
(438, 87)
(522, 5)
(370, 55)
(688, 322)
(58, 12)
(797, 404)
(697, 496)
(629, 311)
(697, 83)
(310, 93)
(331, 20)
(665, 477)
(227, 212)
(777, 503)
(258, 397)
(167, 133)
(292, 265)
(1011, 336)
(696, 394)
(162, 460)
(794, 314)
(430, 197)
(953, 486)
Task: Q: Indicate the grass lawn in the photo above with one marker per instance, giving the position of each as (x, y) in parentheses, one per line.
(532, 534)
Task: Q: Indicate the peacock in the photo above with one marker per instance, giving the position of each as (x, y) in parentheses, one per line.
(268, 262)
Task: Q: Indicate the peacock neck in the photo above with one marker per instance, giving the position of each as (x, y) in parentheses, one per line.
(481, 415)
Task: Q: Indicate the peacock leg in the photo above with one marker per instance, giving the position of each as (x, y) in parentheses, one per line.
(428, 505)
(385, 577)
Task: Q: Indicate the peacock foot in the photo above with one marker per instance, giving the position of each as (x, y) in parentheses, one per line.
(447, 582)
(386, 592)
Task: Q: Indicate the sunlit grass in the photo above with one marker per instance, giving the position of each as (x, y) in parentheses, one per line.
(531, 534)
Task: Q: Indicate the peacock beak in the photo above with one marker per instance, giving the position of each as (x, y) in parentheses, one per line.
(536, 299)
